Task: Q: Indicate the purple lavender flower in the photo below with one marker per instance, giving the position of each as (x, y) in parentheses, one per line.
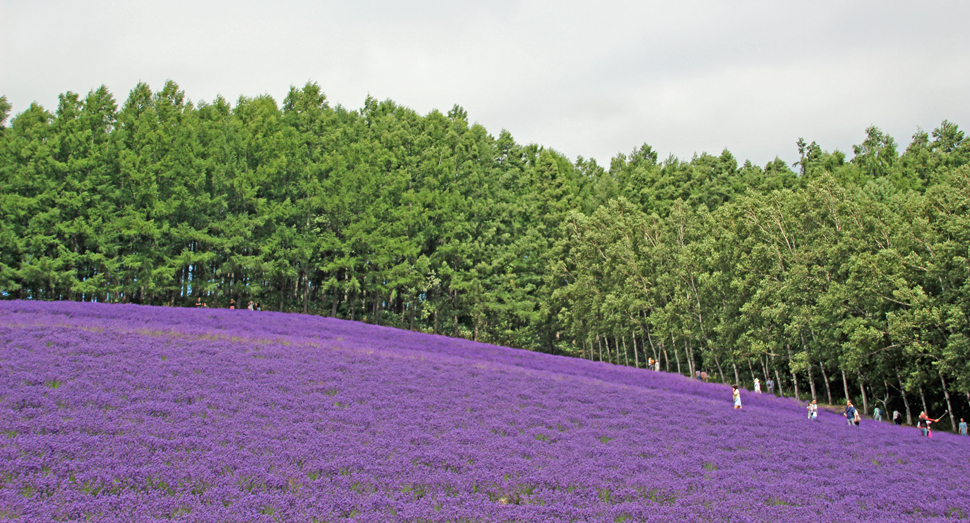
(121, 413)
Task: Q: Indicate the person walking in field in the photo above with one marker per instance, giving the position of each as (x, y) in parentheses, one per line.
(771, 386)
(877, 414)
(850, 414)
(963, 427)
(813, 410)
(924, 424)
(737, 396)
(656, 365)
(757, 385)
(897, 418)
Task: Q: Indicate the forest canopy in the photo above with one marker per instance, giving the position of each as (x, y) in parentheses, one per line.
(837, 277)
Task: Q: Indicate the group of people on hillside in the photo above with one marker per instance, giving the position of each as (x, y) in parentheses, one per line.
(770, 384)
(924, 422)
(253, 306)
(852, 416)
(736, 393)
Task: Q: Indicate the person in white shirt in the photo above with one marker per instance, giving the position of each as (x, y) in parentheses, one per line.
(757, 385)
(813, 410)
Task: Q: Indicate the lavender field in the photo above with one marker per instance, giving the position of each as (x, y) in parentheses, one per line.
(123, 413)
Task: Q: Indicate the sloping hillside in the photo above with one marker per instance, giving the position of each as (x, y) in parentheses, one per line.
(129, 413)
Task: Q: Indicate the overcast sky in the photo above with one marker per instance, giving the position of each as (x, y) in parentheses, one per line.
(589, 79)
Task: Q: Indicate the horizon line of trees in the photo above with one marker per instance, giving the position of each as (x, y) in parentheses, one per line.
(844, 278)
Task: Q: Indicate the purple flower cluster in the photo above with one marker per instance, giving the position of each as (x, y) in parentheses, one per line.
(122, 413)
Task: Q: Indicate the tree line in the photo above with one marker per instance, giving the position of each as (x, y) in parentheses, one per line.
(837, 277)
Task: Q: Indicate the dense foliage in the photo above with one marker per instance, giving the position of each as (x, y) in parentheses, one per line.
(845, 278)
(125, 413)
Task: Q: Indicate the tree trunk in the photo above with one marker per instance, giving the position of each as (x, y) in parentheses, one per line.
(778, 380)
(306, 292)
(666, 357)
(609, 355)
(862, 389)
(845, 385)
(923, 398)
(737, 379)
(811, 382)
(794, 378)
(885, 399)
(751, 370)
(676, 354)
(719, 371)
(828, 388)
(636, 356)
(902, 392)
(411, 312)
(600, 343)
(949, 408)
(626, 355)
(654, 348)
(690, 358)
(454, 307)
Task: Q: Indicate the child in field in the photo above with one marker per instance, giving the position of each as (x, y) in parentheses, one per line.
(737, 396)
(757, 385)
(813, 410)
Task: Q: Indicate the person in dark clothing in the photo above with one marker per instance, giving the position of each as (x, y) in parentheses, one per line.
(850, 414)
(924, 423)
